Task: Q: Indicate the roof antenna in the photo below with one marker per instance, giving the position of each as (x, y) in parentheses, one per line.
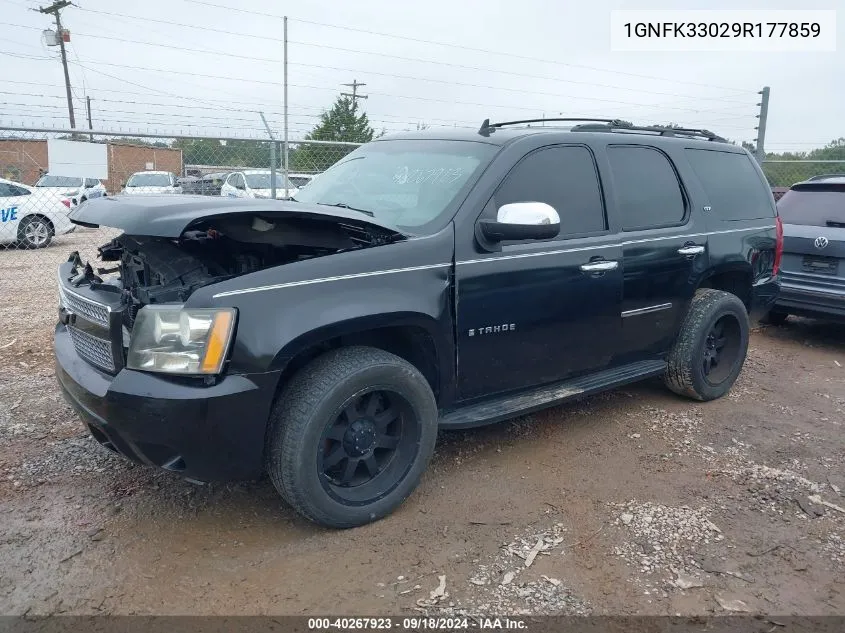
(485, 128)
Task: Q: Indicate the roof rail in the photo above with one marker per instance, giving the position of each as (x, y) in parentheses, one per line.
(652, 129)
(608, 125)
(824, 177)
(488, 127)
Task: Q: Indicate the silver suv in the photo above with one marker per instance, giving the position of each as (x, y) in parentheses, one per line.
(813, 265)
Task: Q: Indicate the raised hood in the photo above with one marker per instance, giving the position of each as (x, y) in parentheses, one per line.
(169, 215)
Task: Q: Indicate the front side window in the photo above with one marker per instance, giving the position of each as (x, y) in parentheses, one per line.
(149, 180)
(647, 188)
(406, 183)
(563, 177)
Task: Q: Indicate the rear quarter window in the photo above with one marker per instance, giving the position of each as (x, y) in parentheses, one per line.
(732, 184)
(814, 205)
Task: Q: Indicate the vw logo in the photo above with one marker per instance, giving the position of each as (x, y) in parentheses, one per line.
(821, 242)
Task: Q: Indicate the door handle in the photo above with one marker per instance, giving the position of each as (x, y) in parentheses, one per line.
(691, 251)
(599, 266)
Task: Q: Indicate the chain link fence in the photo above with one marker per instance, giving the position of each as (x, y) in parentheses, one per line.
(35, 232)
(784, 173)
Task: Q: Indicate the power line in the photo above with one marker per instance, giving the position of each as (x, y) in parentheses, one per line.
(415, 98)
(310, 118)
(468, 48)
(383, 94)
(521, 75)
(219, 108)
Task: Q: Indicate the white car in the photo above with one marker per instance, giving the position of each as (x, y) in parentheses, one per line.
(152, 182)
(77, 190)
(31, 217)
(255, 183)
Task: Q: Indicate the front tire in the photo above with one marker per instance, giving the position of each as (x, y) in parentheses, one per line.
(35, 232)
(710, 349)
(350, 436)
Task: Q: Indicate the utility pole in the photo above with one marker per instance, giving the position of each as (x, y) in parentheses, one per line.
(761, 126)
(90, 125)
(354, 94)
(272, 158)
(55, 9)
(285, 149)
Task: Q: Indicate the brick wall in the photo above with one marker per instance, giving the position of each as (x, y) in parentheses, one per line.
(125, 160)
(23, 160)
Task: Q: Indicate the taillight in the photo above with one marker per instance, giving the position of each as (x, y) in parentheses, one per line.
(778, 245)
(66, 202)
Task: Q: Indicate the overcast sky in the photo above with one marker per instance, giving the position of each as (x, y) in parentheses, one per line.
(139, 78)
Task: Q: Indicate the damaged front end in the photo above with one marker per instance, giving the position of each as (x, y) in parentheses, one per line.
(154, 267)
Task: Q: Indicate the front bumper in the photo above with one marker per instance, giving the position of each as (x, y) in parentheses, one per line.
(207, 433)
(815, 302)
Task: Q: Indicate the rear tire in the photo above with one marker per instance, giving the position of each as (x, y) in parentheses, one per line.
(350, 436)
(776, 317)
(35, 232)
(710, 349)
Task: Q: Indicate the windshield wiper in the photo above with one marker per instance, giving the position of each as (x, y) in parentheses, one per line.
(343, 205)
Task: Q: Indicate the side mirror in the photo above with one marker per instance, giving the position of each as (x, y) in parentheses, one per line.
(522, 221)
(123, 185)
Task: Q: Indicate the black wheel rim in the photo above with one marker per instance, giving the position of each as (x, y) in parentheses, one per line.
(368, 447)
(721, 349)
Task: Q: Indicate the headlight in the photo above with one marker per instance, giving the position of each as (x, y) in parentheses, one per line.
(181, 341)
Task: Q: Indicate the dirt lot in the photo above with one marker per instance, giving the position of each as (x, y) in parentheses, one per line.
(635, 501)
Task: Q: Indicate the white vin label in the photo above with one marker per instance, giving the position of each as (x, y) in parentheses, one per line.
(799, 30)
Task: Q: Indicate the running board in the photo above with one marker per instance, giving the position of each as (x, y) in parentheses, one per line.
(511, 406)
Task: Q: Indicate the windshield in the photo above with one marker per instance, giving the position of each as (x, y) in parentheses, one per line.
(149, 180)
(816, 205)
(407, 183)
(262, 181)
(58, 181)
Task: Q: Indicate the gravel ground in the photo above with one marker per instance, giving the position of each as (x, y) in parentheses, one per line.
(631, 502)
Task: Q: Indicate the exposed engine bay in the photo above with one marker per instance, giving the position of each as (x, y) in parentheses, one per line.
(161, 270)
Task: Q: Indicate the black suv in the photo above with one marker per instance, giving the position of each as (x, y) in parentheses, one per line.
(428, 280)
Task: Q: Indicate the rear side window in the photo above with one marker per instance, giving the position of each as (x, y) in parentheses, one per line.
(564, 177)
(732, 184)
(647, 188)
(814, 205)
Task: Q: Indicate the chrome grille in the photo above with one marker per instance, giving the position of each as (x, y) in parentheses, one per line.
(91, 310)
(96, 351)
